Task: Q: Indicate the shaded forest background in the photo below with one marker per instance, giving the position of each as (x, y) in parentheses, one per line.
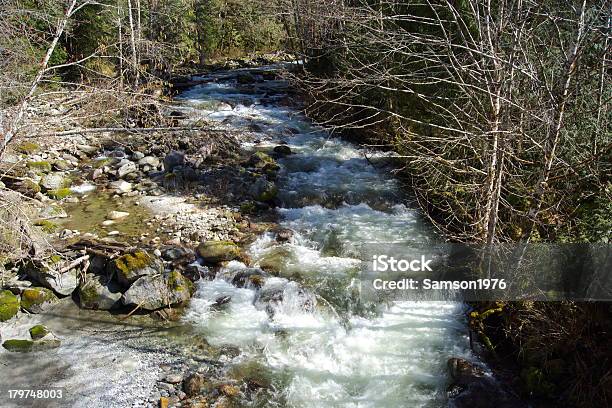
(499, 112)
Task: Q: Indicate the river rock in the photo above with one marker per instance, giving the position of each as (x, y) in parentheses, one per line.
(39, 331)
(284, 235)
(218, 251)
(61, 283)
(471, 387)
(116, 215)
(46, 342)
(129, 267)
(149, 161)
(172, 160)
(156, 291)
(55, 181)
(120, 186)
(263, 190)
(125, 169)
(282, 150)
(52, 211)
(99, 293)
(196, 384)
(37, 299)
(245, 78)
(9, 305)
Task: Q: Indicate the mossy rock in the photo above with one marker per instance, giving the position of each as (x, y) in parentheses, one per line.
(26, 346)
(18, 345)
(218, 251)
(27, 147)
(9, 305)
(60, 193)
(178, 283)
(129, 267)
(39, 166)
(253, 373)
(28, 187)
(39, 331)
(99, 294)
(248, 207)
(37, 300)
(47, 226)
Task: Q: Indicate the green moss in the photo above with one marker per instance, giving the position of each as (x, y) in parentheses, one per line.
(60, 193)
(39, 331)
(248, 208)
(132, 262)
(9, 305)
(88, 293)
(41, 166)
(55, 259)
(27, 147)
(102, 162)
(18, 346)
(177, 282)
(47, 226)
(32, 298)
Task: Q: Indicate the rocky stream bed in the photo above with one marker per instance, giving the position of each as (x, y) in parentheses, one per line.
(214, 267)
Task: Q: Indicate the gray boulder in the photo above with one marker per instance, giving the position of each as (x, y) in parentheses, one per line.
(61, 283)
(263, 190)
(127, 168)
(55, 181)
(154, 292)
(98, 293)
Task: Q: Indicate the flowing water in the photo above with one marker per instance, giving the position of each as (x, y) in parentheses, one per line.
(324, 345)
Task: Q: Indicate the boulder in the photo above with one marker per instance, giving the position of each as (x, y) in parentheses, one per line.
(261, 160)
(149, 161)
(9, 305)
(37, 300)
(129, 267)
(98, 293)
(55, 181)
(39, 166)
(61, 283)
(127, 168)
(263, 190)
(218, 251)
(157, 291)
(284, 235)
(173, 159)
(120, 186)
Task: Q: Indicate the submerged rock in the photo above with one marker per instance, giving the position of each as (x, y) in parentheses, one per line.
(37, 300)
(218, 251)
(9, 305)
(156, 291)
(129, 267)
(99, 293)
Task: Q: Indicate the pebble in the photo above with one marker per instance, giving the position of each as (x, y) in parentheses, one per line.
(112, 233)
(106, 223)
